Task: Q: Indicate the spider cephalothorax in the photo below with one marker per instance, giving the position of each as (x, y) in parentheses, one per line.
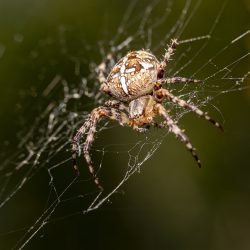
(135, 85)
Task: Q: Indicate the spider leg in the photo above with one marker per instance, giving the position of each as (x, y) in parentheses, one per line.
(101, 70)
(140, 129)
(159, 94)
(90, 125)
(76, 139)
(117, 105)
(173, 127)
(159, 125)
(178, 79)
(166, 58)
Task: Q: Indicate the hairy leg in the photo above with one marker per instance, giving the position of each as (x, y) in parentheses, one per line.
(161, 93)
(173, 127)
(90, 125)
(101, 70)
(166, 57)
(117, 105)
(178, 79)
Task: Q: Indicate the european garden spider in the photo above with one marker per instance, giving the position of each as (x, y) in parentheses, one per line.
(135, 84)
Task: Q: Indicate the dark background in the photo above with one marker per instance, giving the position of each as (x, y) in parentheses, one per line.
(171, 204)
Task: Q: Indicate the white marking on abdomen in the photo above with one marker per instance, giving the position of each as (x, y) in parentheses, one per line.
(122, 69)
(130, 70)
(116, 75)
(124, 85)
(146, 65)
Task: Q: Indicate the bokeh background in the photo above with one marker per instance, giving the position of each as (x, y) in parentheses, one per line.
(171, 204)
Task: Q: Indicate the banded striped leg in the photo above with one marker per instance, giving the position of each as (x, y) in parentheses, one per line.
(182, 103)
(91, 123)
(76, 140)
(178, 79)
(101, 69)
(117, 105)
(177, 131)
(169, 52)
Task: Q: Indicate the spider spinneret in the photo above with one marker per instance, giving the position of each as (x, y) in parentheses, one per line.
(135, 85)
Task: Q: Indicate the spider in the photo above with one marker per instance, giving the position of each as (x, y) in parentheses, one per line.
(135, 85)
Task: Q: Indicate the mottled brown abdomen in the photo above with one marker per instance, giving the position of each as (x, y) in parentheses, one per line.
(133, 76)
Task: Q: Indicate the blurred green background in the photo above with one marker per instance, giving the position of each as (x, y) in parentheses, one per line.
(171, 204)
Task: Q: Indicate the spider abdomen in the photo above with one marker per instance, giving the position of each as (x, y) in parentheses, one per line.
(133, 76)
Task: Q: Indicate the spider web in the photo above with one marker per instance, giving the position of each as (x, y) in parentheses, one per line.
(43, 154)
